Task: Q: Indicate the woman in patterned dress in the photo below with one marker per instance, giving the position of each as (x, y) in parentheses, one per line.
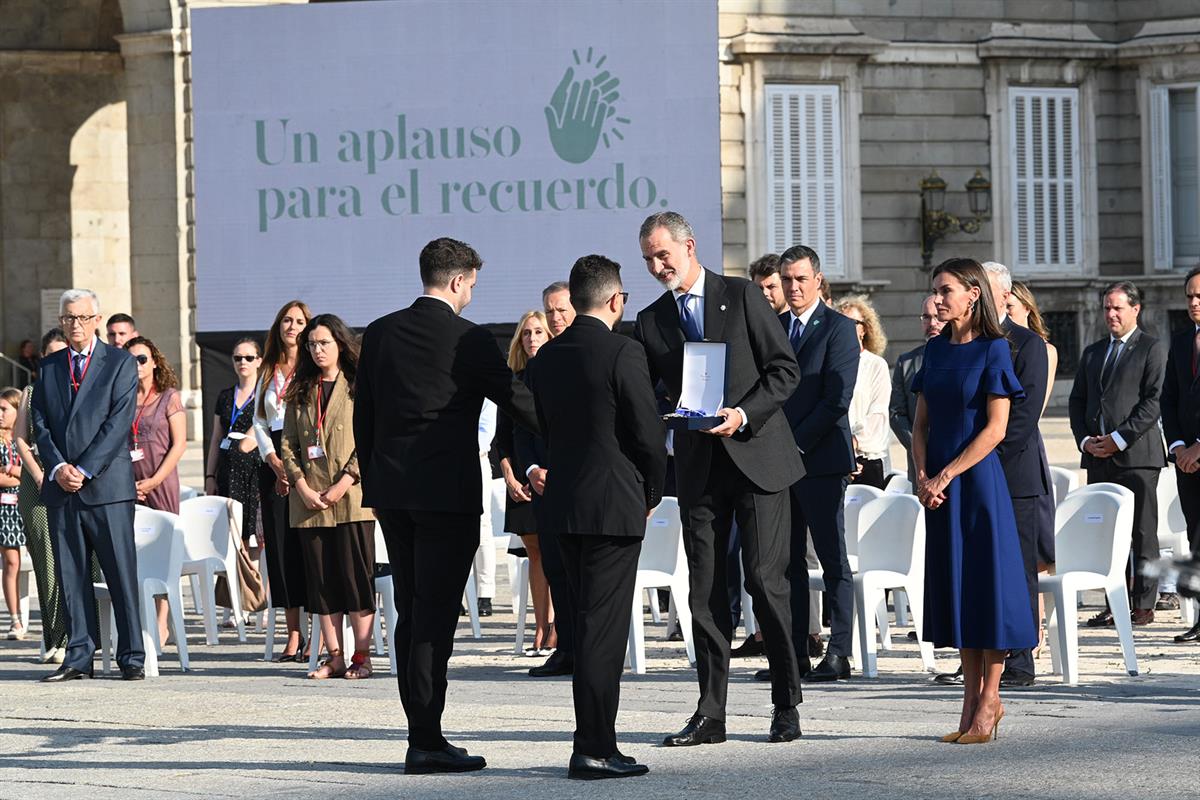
(233, 461)
(12, 532)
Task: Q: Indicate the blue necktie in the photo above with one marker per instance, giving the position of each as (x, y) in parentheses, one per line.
(688, 320)
(797, 332)
(78, 369)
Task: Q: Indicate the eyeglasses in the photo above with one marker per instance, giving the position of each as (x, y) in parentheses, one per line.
(247, 359)
(68, 320)
(624, 296)
(927, 317)
(320, 344)
(142, 359)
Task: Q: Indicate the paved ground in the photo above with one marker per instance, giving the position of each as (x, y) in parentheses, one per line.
(236, 726)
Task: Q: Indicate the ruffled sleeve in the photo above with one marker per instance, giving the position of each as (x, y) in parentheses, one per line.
(998, 377)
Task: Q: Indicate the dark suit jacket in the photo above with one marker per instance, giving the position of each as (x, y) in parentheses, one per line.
(1181, 392)
(817, 410)
(605, 440)
(89, 430)
(1129, 403)
(422, 375)
(902, 409)
(760, 374)
(1022, 452)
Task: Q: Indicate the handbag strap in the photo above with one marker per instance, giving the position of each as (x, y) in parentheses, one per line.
(235, 525)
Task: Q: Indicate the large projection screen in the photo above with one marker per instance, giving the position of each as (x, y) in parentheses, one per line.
(333, 141)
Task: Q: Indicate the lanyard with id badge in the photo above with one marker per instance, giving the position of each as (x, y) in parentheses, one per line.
(137, 454)
(316, 452)
(231, 435)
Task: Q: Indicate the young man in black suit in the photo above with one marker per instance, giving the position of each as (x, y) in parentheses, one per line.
(1114, 407)
(1181, 420)
(739, 469)
(422, 376)
(826, 348)
(604, 440)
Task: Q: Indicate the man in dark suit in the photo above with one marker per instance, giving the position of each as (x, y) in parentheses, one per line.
(1023, 458)
(422, 376)
(83, 406)
(825, 344)
(1114, 408)
(1181, 420)
(603, 434)
(738, 469)
(902, 409)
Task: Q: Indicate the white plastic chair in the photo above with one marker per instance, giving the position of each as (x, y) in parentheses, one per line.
(1064, 482)
(662, 563)
(1173, 534)
(23, 574)
(386, 608)
(1092, 533)
(159, 547)
(898, 483)
(891, 549)
(188, 492)
(209, 551)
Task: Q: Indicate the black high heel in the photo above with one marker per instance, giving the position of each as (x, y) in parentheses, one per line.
(296, 657)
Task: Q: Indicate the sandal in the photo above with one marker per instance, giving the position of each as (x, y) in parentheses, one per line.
(360, 668)
(326, 671)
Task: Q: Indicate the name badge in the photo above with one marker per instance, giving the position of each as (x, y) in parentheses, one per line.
(316, 452)
(8, 499)
(136, 454)
(225, 443)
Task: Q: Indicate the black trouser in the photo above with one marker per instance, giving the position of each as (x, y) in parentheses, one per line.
(762, 519)
(601, 572)
(1144, 485)
(76, 532)
(733, 577)
(431, 555)
(285, 561)
(1189, 501)
(817, 502)
(561, 593)
(1034, 515)
(871, 474)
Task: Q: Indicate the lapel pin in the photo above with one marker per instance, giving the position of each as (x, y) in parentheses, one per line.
(722, 308)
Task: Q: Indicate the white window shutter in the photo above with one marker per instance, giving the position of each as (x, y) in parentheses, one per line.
(1160, 177)
(1045, 206)
(804, 172)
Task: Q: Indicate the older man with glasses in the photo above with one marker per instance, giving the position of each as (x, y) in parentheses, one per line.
(83, 406)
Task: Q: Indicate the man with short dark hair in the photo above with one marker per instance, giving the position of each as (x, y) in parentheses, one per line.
(423, 373)
(121, 328)
(1114, 408)
(1181, 419)
(603, 436)
(764, 271)
(740, 468)
(903, 406)
(556, 302)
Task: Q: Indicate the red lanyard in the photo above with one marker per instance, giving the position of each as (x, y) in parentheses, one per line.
(138, 418)
(321, 413)
(279, 392)
(75, 384)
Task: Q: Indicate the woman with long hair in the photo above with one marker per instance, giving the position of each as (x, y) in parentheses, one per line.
(285, 564)
(233, 465)
(531, 333)
(337, 535)
(976, 598)
(1023, 310)
(12, 532)
(868, 415)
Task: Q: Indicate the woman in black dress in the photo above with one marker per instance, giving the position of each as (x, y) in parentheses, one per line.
(233, 461)
(532, 332)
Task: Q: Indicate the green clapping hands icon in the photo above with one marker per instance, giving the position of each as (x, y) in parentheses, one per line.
(579, 110)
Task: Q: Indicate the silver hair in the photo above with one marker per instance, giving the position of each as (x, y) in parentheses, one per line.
(673, 221)
(74, 296)
(555, 288)
(1000, 271)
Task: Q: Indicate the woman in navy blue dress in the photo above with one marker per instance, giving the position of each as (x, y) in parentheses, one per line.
(976, 598)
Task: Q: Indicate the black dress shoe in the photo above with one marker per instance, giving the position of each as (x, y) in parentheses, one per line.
(785, 725)
(1011, 679)
(748, 649)
(1141, 616)
(763, 675)
(1102, 620)
(65, 673)
(699, 730)
(619, 756)
(832, 668)
(949, 678)
(676, 635)
(587, 768)
(557, 664)
(131, 673)
(1192, 634)
(485, 606)
(448, 759)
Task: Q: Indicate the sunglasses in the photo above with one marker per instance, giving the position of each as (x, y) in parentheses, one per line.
(143, 360)
(247, 359)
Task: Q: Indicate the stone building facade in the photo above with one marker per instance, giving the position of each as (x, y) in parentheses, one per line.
(1081, 114)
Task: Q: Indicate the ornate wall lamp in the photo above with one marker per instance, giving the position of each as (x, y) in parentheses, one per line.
(937, 222)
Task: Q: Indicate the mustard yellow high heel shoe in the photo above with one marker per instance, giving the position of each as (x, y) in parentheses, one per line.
(967, 738)
(951, 738)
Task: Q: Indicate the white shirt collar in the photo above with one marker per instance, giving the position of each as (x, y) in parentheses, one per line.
(442, 300)
(1124, 339)
(807, 315)
(696, 290)
(87, 350)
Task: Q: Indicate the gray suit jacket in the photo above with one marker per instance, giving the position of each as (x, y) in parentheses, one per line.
(902, 410)
(89, 430)
(1128, 404)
